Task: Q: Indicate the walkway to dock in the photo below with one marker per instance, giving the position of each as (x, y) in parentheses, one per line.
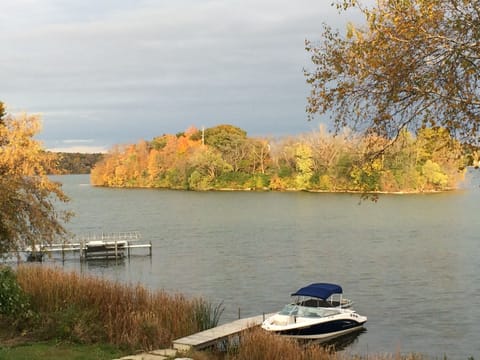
(202, 340)
(217, 334)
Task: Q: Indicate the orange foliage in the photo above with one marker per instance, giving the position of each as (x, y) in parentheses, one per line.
(144, 163)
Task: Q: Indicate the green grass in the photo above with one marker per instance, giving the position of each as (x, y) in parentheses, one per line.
(53, 351)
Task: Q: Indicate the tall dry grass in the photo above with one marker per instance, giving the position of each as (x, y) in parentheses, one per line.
(94, 309)
(257, 344)
(260, 345)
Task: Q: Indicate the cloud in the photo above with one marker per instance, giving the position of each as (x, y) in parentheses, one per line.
(80, 149)
(78, 146)
(78, 141)
(117, 71)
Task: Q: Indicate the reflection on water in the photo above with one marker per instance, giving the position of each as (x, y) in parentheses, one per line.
(409, 262)
(344, 342)
(100, 264)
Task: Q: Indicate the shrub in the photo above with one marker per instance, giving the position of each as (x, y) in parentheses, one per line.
(262, 181)
(72, 324)
(233, 180)
(13, 301)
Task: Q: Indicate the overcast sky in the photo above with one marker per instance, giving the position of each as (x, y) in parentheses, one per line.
(104, 72)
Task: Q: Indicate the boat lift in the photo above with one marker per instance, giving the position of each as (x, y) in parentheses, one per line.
(94, 246)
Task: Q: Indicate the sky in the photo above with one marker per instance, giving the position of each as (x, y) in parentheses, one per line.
(106, 72)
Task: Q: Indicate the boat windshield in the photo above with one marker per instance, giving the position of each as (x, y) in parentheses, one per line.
(305, 311)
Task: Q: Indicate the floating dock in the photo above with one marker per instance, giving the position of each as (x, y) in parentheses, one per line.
(216, 335)
(94, 246)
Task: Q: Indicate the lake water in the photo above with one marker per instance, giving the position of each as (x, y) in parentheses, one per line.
(410, 262)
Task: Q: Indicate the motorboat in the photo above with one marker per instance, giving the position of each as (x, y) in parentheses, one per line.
(315, 315)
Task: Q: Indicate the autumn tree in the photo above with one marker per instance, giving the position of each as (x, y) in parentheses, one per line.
(28, 215)
(282, 152)
(259, 157)
(426, 161)
(304, 165)
(2, 112)
(415, 63)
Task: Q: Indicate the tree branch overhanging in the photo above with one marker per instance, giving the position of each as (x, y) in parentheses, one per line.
(370, 76)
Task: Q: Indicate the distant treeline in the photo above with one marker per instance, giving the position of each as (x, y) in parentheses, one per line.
(74, 163)
(223, 157)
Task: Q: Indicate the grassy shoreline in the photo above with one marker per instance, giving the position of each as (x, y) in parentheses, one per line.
(49, 313)
(59, 351)
(49, 303)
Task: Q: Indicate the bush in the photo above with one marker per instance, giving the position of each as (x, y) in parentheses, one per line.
(262, 181)
(13, 301)
(72, 324)
(233, 180)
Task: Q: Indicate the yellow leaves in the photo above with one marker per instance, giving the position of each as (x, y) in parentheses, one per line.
(325, 183)
(377, 165)
(27, 206)
(304, 165)
(20, 154)
(350, 30)
(434, 174)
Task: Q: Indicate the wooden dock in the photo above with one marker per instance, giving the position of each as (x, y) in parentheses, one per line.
(217, 334)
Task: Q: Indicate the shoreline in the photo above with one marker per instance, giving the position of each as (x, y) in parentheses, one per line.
(317, 191)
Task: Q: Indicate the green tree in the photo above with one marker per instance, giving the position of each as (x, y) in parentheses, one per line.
(208, 164)
(232, 143)
(415, 64)
(27, 197)
(221, 136)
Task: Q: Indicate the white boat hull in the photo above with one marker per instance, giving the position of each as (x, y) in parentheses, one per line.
(328, 336)
(337, 323)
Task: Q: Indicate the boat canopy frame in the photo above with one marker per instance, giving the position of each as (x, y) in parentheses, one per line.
(319, 290)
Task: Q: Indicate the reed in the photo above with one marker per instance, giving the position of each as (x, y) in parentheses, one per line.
(261, 345)
(88, 309)
(208, 316)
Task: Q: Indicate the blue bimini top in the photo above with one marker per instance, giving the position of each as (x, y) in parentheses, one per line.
(319, 290)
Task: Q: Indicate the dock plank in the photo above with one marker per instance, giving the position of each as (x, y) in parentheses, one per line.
(208, 337)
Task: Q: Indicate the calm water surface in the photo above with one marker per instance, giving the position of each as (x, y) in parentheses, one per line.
(410, 262)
